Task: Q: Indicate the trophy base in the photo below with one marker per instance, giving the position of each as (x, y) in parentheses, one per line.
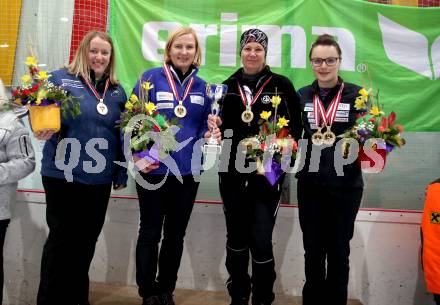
(210, 153)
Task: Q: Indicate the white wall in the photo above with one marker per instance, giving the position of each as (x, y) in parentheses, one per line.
(384, 260)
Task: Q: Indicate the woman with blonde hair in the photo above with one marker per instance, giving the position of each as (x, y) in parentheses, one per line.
(76, 202)
(177, 92)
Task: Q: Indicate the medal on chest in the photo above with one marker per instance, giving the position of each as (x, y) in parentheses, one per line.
(101, 107)
(180, 110)
(246, 97)
(328, 117)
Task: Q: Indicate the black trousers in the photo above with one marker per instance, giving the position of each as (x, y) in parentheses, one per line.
(437, 299)
(3, 226)
(168, 210)
(75, 214)
(250, 205)
(327, 216)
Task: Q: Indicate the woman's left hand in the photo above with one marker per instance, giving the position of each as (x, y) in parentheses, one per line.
(118, 187)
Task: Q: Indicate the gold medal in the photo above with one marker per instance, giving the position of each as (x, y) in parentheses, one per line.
(329, 137)
(247, 116)
(317, 137)
(180, 110)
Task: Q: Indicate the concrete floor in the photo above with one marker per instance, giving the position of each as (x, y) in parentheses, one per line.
(104, 294)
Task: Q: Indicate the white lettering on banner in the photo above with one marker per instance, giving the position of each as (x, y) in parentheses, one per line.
(202, 34)
(410, 49)
(229, 33)
(150, 39)
(228, 41)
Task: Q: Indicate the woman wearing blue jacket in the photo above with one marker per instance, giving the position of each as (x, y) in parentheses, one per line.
(78, 171)
(176, 92)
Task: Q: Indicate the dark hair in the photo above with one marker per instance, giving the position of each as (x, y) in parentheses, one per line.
(325, 40)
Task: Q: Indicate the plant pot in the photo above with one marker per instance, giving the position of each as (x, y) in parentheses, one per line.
(372, 165)
(45, 117)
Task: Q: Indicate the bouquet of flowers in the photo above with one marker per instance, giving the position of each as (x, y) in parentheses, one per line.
(374, 124)
(151, 135)
(44, 100)
(272, 142)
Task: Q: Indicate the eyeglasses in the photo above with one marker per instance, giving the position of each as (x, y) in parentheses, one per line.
(330, 61)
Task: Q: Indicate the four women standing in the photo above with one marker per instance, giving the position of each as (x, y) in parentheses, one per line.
(76, 206)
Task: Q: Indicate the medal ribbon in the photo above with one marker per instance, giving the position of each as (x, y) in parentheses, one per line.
(98, 97)
(172, 84)
(243, 96)
(319, 112)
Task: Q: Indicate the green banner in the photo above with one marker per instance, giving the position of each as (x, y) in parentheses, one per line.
(397, 48)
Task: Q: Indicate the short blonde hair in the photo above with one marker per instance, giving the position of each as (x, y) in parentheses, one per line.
(180, 32)
(79, 64)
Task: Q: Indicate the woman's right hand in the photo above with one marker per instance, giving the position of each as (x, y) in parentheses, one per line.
(44, 135)
(145, 166)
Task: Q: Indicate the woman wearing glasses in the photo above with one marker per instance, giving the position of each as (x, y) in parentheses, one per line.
(328, 202)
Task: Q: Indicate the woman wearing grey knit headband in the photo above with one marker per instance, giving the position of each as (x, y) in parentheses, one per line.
(250, 201)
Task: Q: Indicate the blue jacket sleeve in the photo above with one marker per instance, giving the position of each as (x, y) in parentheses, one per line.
(120, 176)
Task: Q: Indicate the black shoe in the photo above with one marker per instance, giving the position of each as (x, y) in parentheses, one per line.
(152, 300)
(167, 299)
(240, 301)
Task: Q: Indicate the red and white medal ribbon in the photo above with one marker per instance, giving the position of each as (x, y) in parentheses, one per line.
(173, 87)
(246, 103)
(101, 107)
(328, 117)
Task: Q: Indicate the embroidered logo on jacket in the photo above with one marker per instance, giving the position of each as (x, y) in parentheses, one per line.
(435, 218)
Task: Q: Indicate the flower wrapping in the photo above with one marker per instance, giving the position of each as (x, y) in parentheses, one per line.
(36, 91)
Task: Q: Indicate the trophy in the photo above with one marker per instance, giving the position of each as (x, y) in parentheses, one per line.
(215, 92)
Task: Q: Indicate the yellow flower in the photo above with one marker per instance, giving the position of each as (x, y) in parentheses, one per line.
(282, 122)
(276, 100)
(133, 98)
(147, 86)
(265, 115)
(41, 95)
(31, 61)
(26, 79)
(376, 111)
(360, 103)
(128, 105)
(364, 93)
(42, 75)
(150, 107)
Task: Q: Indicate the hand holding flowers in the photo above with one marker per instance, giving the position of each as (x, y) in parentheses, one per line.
(151, 137)
(272, 142)
(374, 124)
